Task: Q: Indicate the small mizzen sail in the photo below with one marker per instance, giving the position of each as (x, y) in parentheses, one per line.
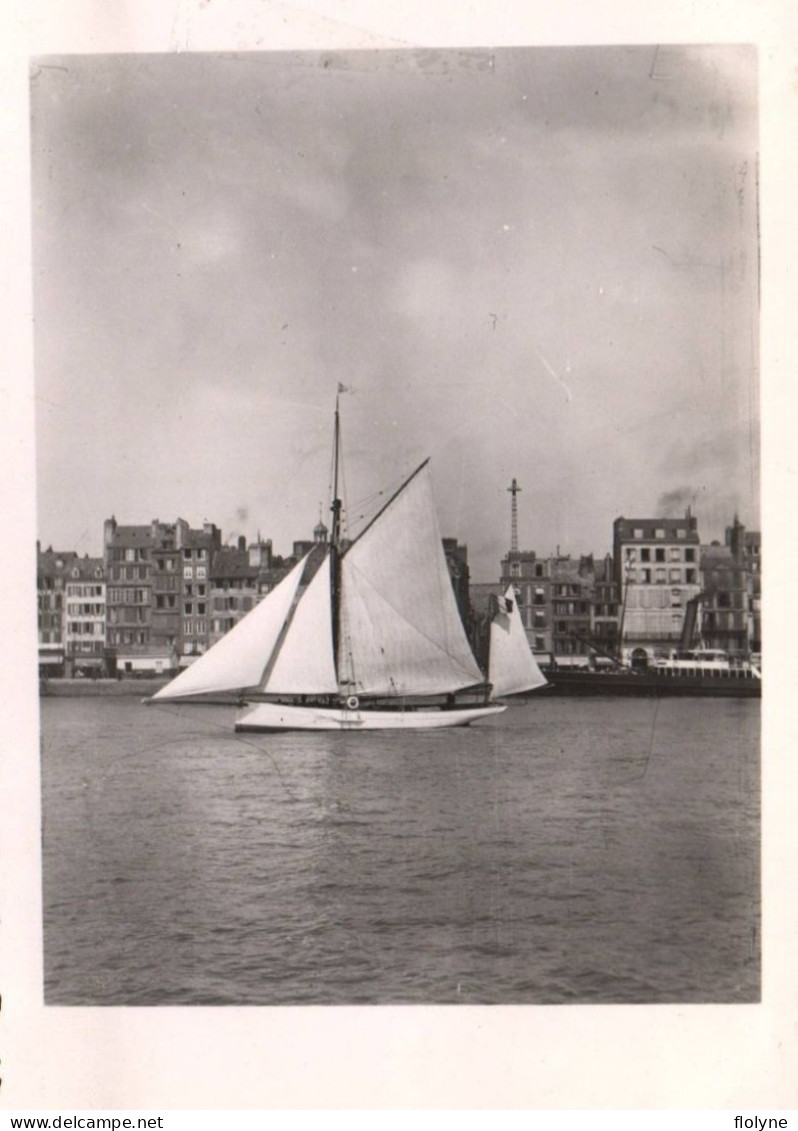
(239, 659)
(512, 667)
(401, 632)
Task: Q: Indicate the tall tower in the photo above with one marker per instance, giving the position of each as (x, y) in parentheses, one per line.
(514, 489)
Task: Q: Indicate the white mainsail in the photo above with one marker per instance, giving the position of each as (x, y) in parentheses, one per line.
(511, 665)
(304, 664)
(238, 660)
(401, 632)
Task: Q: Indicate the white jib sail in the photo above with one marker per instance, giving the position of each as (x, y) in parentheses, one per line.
(511, 665)
(304, 663)
(239, 658)
(401, 632)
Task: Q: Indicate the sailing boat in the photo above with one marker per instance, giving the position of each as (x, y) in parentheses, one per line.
(369, 639)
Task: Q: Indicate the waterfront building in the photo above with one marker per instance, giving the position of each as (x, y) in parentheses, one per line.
(197, 549)
(52, 570)
(746, 547)
(84, 619)
(531, 578)
(731, 592)
(240, 576)
(567, 604)
(156, 597)
(656, 562)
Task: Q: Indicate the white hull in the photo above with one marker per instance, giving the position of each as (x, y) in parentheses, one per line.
(281, 716)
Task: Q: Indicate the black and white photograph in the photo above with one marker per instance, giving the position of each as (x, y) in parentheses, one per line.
(398, 530)
(350, 367)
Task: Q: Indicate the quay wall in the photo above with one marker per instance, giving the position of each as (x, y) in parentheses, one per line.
(69, 688)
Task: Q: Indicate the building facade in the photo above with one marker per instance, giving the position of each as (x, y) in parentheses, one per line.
(52, 571)
(157, 579)
(84, 621)
(657, 564)
(240, 576)
(569, 606)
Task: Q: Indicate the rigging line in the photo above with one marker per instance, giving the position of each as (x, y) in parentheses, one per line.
(385, 507)
(389, 488)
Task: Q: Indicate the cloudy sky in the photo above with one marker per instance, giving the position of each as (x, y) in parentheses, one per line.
(538, 263)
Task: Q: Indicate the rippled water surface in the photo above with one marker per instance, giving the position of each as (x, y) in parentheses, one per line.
(567, 851)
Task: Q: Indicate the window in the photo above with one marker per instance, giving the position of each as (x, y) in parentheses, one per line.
(187, 553)
(538, 571)
(689, 554)
(188, 608)
(201, 608)
(659, 532)
(681, 532)
(689, 576)
(188, 573)
(659, 555)
(660, 577)
(201, 590)
(675, 554)
(201, 628)
(201, 571)
(637, 532)
(130, 555)
(675, 576)
(188, 591)
(188, 628)
(645, 555)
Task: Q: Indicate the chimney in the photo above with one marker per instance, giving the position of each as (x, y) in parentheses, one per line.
(242, 542)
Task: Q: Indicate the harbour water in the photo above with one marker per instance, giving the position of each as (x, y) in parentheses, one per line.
(568, 851)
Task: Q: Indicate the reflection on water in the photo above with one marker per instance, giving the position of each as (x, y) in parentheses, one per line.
(567, 851)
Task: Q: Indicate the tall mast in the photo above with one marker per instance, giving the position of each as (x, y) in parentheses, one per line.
(335, 507)
(335, 538)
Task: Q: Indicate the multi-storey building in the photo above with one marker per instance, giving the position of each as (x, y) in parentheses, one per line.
(746, 547)
(197, 548)
(730, 592)
(566, 604)
(157, 593)
(605, 608)
(84, 621)
(657, 566)
(52, 571)
(530, 576)
(240, 576)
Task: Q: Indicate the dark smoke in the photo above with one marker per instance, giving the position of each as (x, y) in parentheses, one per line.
(674, 503)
